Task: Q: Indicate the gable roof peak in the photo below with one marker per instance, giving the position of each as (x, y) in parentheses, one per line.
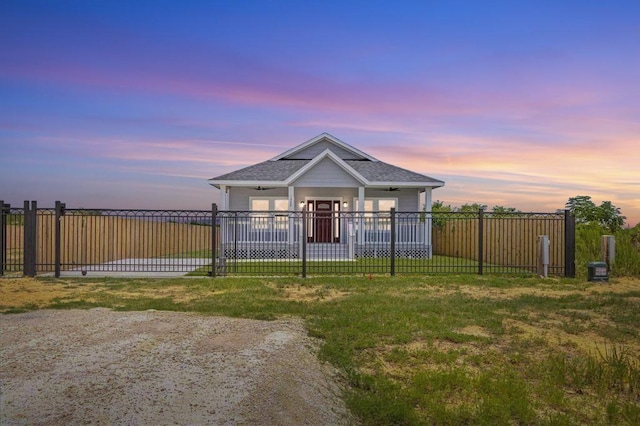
(324, 136)
(327, 153)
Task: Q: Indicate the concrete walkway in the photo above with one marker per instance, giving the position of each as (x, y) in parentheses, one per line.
(138, 268)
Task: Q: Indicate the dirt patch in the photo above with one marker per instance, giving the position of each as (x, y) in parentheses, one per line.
(551, 290)
(177, 293)
(474, 330)
(313, 294)
(28, 292)
(585, 341)
(105, 367)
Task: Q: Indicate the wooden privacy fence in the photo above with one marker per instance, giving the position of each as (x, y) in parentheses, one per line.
(501, 240)
(87, 239)
(16, 242)
(48, 240)
(102, 239)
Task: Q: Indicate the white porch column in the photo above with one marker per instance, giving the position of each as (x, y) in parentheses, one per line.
(361, 218)
(292, 198)
(224, 203)
(292, 218)
(224, 199)
(428, 222)
(428, 201)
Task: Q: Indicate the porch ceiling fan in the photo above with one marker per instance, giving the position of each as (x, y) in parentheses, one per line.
(391, 189)
(261, 188)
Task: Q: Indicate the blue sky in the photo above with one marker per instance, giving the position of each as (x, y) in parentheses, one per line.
(136, 104)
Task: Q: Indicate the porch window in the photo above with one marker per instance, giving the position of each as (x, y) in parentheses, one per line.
(377, 212)
(378, 204)
(270, 212)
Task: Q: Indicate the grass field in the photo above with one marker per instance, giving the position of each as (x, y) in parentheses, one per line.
(424, 349)
(359, 266)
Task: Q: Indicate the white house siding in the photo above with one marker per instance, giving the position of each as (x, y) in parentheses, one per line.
(327, 174)
(239, 197)
(346, 194)
(407, 197)
(313, 150)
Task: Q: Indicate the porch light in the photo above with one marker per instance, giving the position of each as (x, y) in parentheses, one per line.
(301, 204)
(345, 205)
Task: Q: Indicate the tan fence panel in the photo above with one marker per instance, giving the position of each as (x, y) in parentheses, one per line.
(510, 241)
(15, 237)
(101, 239)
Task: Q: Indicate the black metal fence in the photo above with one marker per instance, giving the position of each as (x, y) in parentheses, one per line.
(104, 241)
(68, 242)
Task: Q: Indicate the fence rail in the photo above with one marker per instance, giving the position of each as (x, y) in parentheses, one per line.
(69, 242)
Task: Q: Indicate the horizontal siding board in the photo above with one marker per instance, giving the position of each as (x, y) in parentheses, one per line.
(239, 197)
(327, 174)
(407, 197)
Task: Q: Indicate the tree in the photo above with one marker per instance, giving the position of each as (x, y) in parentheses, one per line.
(472, 207)
(585, 211)
(439, 220)
(582, 208)
(502, 211)
(439, 206)
(610, 216)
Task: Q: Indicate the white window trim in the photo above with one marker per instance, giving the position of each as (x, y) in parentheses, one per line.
(376, 202)
(272, 202)
(381, 221)
(268, 218)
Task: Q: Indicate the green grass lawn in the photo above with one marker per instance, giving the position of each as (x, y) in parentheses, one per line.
(443, 349)
(358, 266)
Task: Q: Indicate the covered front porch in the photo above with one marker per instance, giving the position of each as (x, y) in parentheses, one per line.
(320, 235)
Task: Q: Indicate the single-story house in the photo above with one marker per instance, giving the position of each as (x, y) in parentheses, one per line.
(339, 187)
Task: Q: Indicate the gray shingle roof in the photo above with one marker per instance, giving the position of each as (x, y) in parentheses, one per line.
(380, 171)
(271, 171)
(280, 170)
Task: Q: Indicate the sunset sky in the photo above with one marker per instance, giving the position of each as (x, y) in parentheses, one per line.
(135, 104)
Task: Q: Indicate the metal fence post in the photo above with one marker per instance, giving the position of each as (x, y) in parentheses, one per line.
(30, 224)
(393, 241)
(60, 211)
(569, 245)
(4, 210)
(480, 240)
(235, 242)
(214, 235)
(303, 240)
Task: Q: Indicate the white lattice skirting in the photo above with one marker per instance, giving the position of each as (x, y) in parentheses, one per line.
(292, 251)
(260, 251)
(384, 250)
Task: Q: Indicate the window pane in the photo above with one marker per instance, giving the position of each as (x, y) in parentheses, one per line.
(281, 205)
(260, 205)
(386, 205)
(281, 219)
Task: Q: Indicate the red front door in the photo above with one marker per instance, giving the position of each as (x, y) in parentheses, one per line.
(324, 224)
(323, 221)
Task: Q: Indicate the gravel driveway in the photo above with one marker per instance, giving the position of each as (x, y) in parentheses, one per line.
(103, 367)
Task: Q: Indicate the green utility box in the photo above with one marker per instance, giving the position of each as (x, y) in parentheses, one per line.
(598, 271)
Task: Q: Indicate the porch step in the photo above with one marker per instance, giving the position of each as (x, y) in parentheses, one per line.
(327, 251)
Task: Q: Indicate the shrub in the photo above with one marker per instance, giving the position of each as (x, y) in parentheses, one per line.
(588, 249)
